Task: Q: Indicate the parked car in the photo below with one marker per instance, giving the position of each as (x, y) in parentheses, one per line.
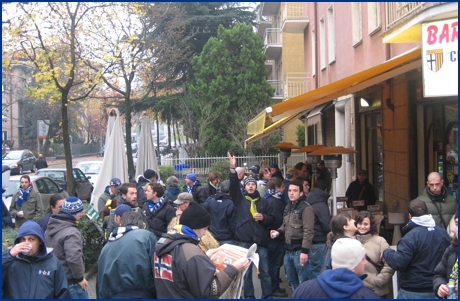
(91, 170)
(19, 160)
(82, 186)
(45, 185)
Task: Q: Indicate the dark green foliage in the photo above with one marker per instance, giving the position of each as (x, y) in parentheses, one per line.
(300, 132)
(229, 88)
(221, 168)
(166, 171)
(8, 237)
(92, 241)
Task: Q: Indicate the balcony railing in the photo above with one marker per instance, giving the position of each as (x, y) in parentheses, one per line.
(396, 11)
(293, 11)
(295, 84)
(272, 36)
(278, 86)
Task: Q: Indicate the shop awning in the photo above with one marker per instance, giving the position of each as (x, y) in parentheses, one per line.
(348, 85)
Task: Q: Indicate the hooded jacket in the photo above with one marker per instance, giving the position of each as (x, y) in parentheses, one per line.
(31, 207)
(63, 236)
(247, 229)
(317, 198)
(335, 284)
(171, 194)
(444, 268)
(446, 204)
(111, 222)
(182, 270)
(222, 211)
(378, 282)
(418, 252)
(278, 206)
(136, 247)
(197, 192)
(103, 199)
(38, 277)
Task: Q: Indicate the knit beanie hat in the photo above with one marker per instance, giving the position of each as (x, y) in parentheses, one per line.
(72, 205)
(148, 174)
(191, 176)
(195, 216)
(347, 253)
(249, 179)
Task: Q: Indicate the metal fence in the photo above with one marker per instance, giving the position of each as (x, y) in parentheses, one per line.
(201, 166)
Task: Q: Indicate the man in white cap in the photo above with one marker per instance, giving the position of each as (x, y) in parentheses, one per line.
(181, 269)
(344, 281)
(64, 237)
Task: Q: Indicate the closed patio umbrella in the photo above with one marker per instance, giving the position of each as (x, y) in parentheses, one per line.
(146, 157)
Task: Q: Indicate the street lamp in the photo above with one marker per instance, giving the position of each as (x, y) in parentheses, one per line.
(285, 152)
(332, 156)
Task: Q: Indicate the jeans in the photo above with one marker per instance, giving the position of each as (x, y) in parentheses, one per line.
(403, 294)
(275, 261)
(294, 271)
(315, 261)
(265, 282)
(230, 242)
(76, 292)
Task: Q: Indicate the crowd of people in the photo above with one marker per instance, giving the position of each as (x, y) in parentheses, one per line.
(160, 238)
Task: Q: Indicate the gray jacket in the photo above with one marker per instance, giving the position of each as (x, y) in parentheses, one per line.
(64, 237)
(446, 204)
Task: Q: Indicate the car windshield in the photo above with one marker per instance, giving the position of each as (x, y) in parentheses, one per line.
(53, 174)
(12, 188)
(92, 168)
(12, 155)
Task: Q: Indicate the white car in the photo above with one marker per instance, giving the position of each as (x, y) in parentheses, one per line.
(91, 169)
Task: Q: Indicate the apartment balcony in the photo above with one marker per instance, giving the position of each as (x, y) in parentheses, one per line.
(273, 43)
(269, 8)
(398, 11)
(269, 64)
(294, 18)
(278, 86)
(264, 23)
(295, 84)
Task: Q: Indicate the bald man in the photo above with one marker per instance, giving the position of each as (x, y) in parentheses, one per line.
(441, 205)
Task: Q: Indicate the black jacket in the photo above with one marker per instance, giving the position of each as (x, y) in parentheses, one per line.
(418, 252)
(247, 229)
(41, 163)
(158, 221)
(208, 190)
(141, 182)
(317, 198)
(223, 219)
(197, 192)
(444, 268)
(354, 190)
(278, 206)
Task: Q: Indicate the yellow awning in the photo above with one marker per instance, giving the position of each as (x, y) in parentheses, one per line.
(348, 85)
(271, 128)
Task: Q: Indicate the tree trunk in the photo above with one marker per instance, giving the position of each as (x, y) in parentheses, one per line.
(67, 149)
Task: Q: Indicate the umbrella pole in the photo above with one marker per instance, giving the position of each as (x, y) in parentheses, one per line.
(334, 198)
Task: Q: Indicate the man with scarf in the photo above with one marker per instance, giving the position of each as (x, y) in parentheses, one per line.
(193, 186)
(129, 249)
(181, 269)
(441, 205)
(26, 202)
(150, 176)
(158, 212)
(298, 230)
(418, 252)
(254, 216)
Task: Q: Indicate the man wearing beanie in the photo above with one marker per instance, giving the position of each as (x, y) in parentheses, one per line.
(193, 186)
(21, 265)
(254, 216)
(344, 281)
(63, 236)
(181, 269)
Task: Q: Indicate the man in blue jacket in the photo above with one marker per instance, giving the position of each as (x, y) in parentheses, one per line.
(418, 252)
(29, 271)
(344, 281)
(254, 216)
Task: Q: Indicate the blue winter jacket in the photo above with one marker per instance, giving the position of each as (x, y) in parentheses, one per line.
(223, 219)
(38, 277)
(335, 284)
(418, 252)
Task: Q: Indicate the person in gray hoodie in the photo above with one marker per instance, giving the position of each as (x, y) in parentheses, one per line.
(62, 234)
(29, 270)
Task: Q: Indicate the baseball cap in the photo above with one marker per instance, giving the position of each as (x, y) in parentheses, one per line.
(115, 182)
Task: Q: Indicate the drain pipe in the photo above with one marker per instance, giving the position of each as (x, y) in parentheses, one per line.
(316, 46)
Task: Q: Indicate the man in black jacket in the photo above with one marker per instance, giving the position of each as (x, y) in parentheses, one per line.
(418, 252)
(360, 189)
(193, 186)
(223, 220)
(317, 198)
(254, 216)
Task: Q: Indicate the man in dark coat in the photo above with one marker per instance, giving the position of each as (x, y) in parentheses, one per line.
(150, 176)
(360, 189)
(418, 252)
(254, 217)
(193, 186)
(344, 281)
(41, 162)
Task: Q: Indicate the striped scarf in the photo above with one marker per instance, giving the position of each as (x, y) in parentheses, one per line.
(154, 206)
(253, 207)
(453, 277)
(190, 188)
(275, 193)
(23, 195)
